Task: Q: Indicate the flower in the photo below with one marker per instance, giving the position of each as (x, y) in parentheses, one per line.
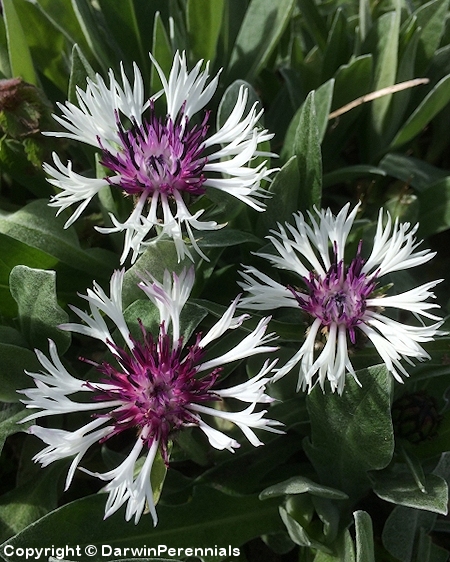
(154, 386)
(341, 299)
(162, 163)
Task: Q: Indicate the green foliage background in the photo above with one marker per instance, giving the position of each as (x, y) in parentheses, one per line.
(340, 486)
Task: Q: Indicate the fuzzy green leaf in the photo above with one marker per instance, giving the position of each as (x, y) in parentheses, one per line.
(284, 197)
(155, 260)
(162, 51)
(402, 489)
(19, 53)
(401, 529)
(80, 70)
(341, 424)
(14, 360)
(386, 31)
(309, 157)
(301, 485)
(412, 171)
(209, 518)
(36, 226)
(435, 218)
(430, 106)
(323, 97)
(364, 537)
(10, 416)
(34, 290)
(431, 18)
(204, 20)
(263, 25)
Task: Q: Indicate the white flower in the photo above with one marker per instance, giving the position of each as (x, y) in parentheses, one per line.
(341, 301)
(162, 163)
(155, 386)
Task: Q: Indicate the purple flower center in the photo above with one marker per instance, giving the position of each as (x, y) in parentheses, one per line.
(158, 156)
(339, 297)
(156, 383)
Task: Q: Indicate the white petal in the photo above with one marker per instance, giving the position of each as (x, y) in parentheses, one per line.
(252, 344)
(63, 444)
(265, 293)
(111, 306)
(74, 188)
(245, 420)
(170, 296)
(184, 87)
(226, 322)
(251, 391)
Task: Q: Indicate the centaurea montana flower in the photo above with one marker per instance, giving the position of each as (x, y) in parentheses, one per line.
(343, 301)
(162, 163)
(155, 386)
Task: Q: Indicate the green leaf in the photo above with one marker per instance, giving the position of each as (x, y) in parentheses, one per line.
(416, 469)
(337, 50)
(402, 489)
(148, 314)
(92, 31)
(34, 290)
(21, 160)
(10, 416)
(209, 518)
(323, 97)
(343, 550)
(263, 25)
(12, 253)
(412, 171)
(428, 551)
(401, 529)
(204, 20)
(351, 173)
(226, 237)
(19, 53)
(46, 44)
(245, 472)
(155, 260)
(301, 485)
(62, 16)
(400, 100)
(299, 535)
(386, 32)
(353, 432)
(80, 70)
(430, 106)
(315, 23)
(309, 157)
(29, 502)
(434, 218)
(364, 537)
(122, 22)
(351, 82)
(5, 67)
(162, 51)
(431, 18)
(229, 98)
(284, 192)
(12, 371)
(36, 226)
(365, 19)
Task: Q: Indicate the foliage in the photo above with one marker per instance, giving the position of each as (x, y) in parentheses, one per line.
(340, 485)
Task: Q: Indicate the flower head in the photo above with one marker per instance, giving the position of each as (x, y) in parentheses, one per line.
(341, 299)
(154, 386)
(162, 163)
